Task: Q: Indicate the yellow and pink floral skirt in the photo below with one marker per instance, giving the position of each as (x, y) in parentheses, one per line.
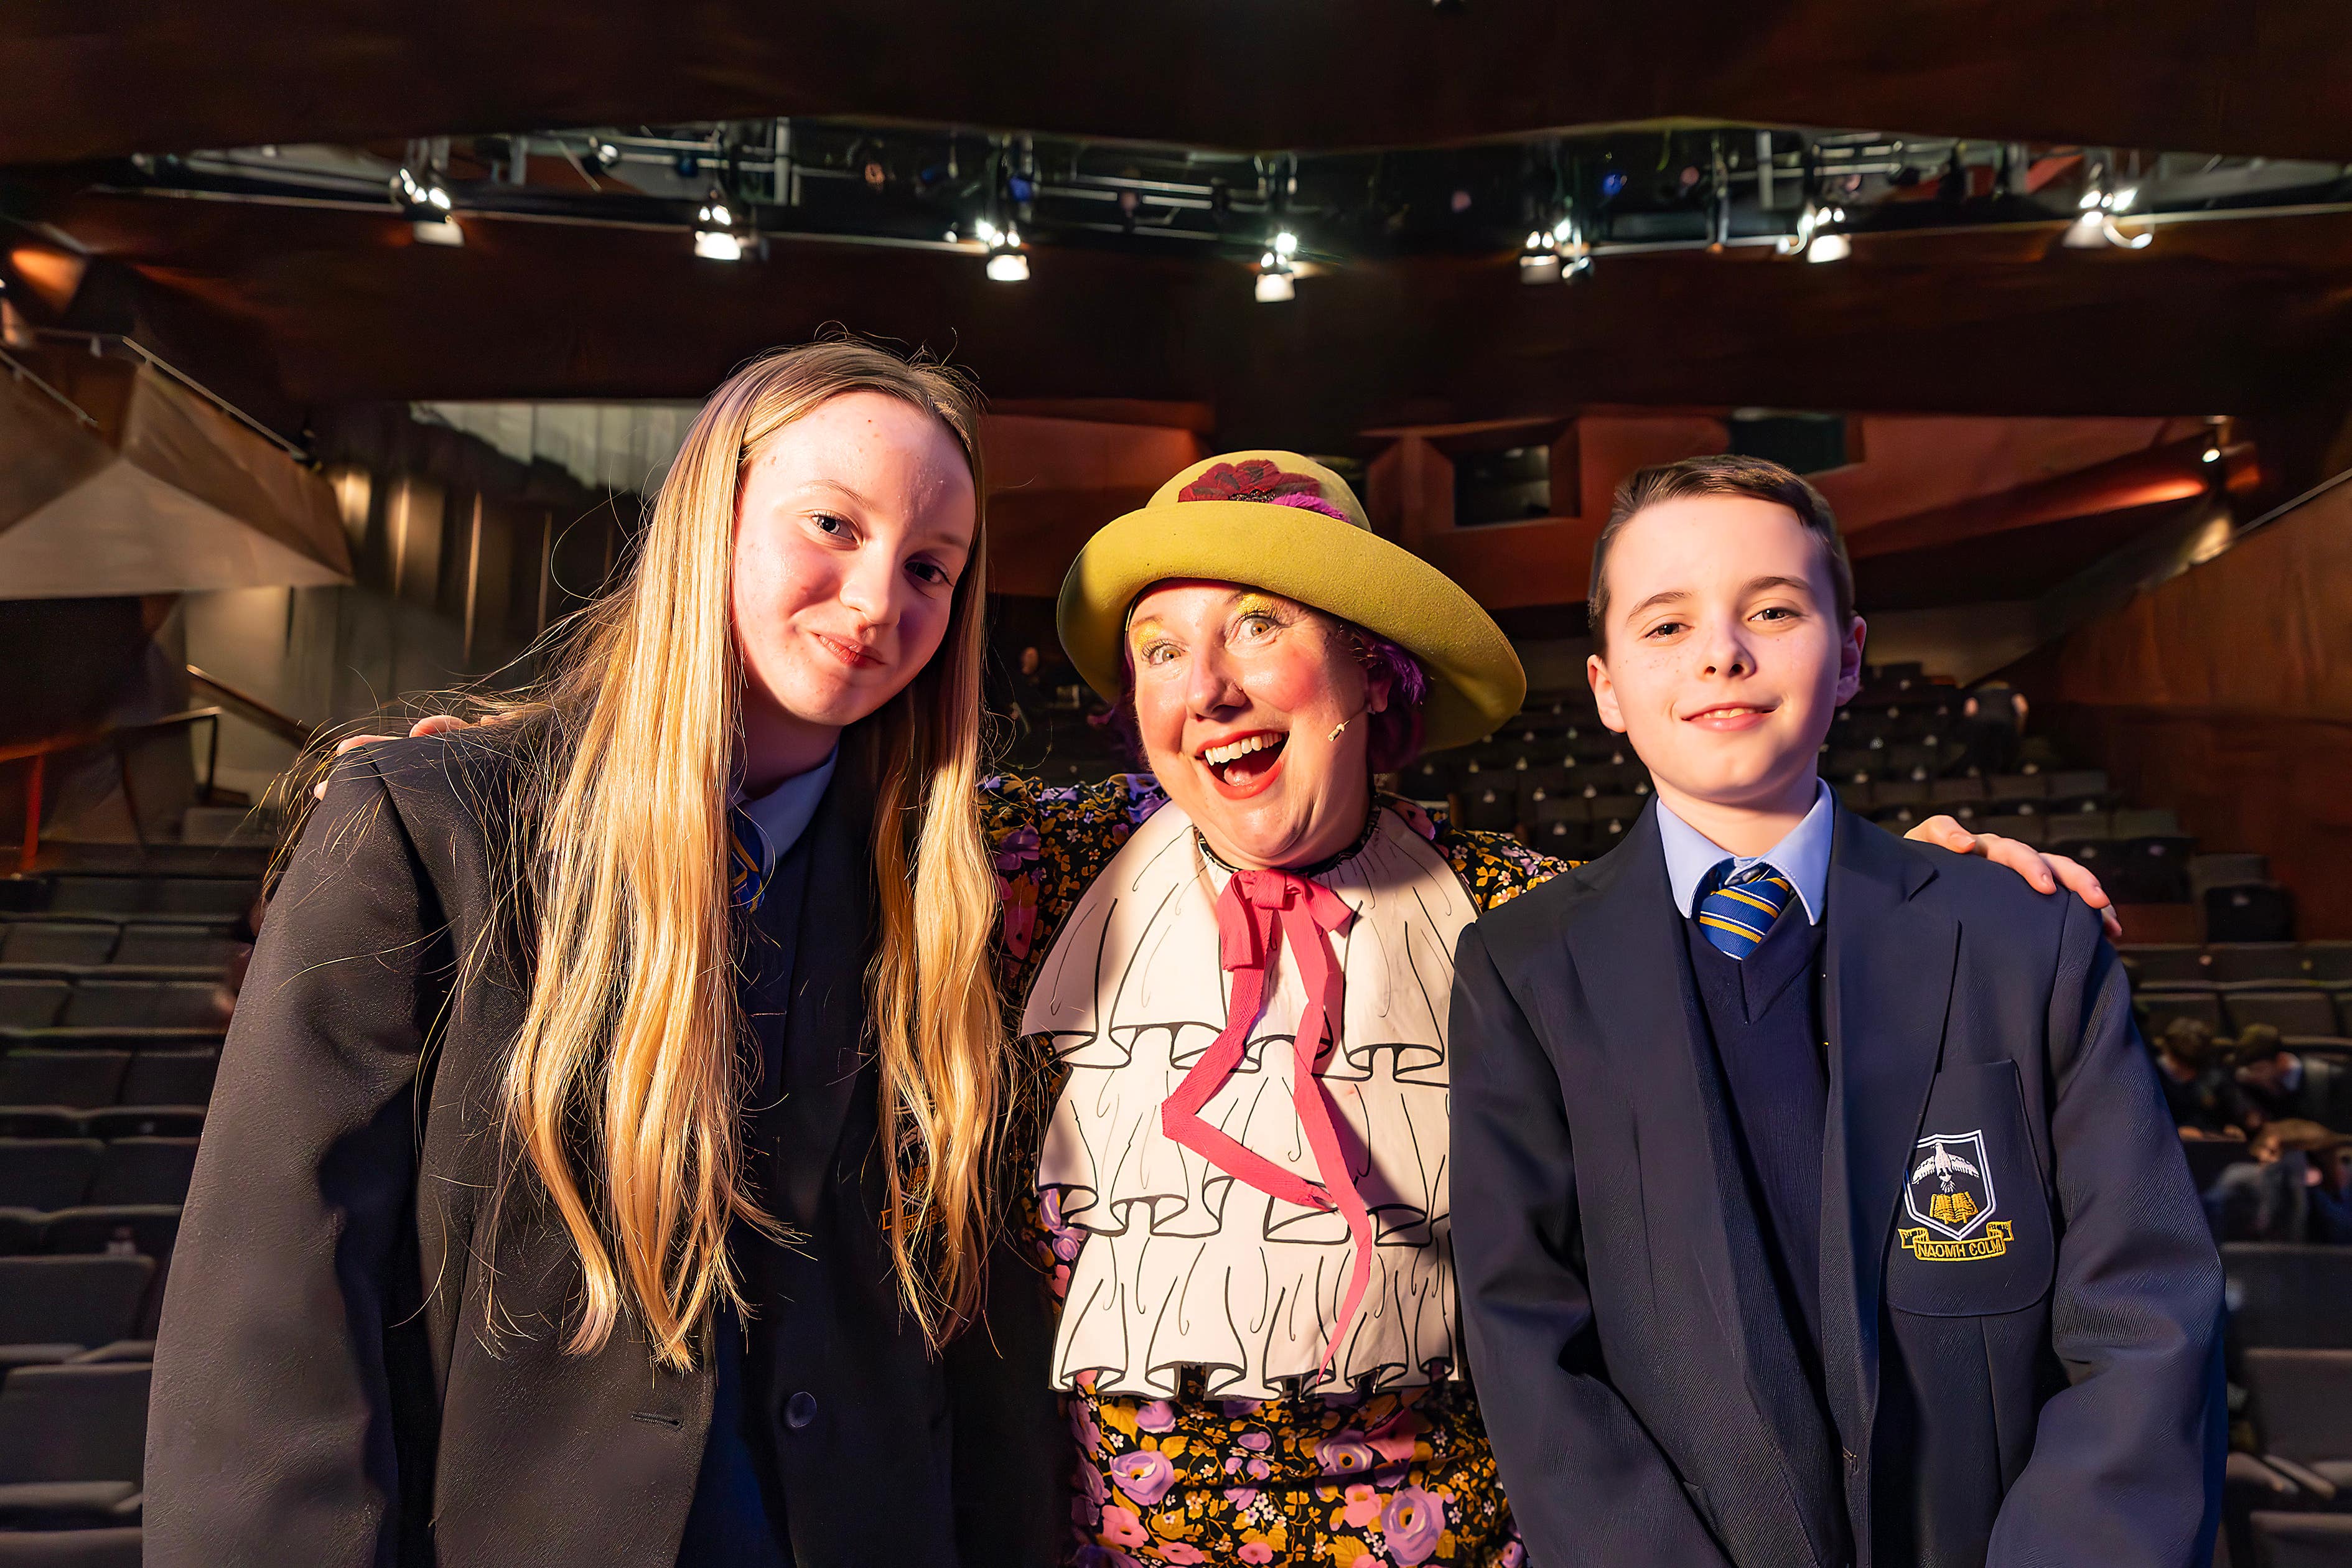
(1403, 1479)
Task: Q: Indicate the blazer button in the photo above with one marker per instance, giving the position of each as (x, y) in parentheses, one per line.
(799, 1410)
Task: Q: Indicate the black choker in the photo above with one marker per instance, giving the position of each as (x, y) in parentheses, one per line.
(1320, 868)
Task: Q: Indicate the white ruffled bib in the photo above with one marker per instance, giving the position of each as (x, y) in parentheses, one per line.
(1182, 1265)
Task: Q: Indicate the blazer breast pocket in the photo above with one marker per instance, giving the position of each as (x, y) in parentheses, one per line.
(1972, 1229)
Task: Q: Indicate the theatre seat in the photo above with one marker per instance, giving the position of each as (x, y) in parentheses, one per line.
(48, 1173)
(149, 1229)
(2230, 962)
(2302, 1540)
(58, 941)
(180, 944)
(2328, 961)
(2158, 1007)
(40, 1122)
(2304, 1012)
(143, 1121)
(2249, 912)
(78, 1301)
(1490, 808)
(2301, 1404)
(2289, 1296)
(2148, 871)
(110, 1548)
(73, 1444)
(20, 1231)
(32, 1004)
(171, 1078)
(81, 1078)
(182, 1004)
(2157, 963)
(144, 1171)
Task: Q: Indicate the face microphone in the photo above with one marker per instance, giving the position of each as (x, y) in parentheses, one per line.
(1345, 723)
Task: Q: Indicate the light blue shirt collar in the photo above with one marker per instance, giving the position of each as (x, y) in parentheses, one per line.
(1803, 857)
(783, 814)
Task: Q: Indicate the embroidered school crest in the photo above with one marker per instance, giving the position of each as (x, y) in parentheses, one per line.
(1950, 1196)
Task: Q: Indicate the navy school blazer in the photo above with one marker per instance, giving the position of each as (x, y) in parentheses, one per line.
(2022, 1305)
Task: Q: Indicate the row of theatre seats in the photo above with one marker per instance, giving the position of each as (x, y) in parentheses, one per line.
(113, 1002)
(2303, 990)
(1563, 782)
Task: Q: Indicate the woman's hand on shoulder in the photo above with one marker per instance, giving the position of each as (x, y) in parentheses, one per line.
(431, 724)
(2045, 872)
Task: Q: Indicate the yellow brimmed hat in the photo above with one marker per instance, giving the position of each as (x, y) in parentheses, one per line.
(1225, 519)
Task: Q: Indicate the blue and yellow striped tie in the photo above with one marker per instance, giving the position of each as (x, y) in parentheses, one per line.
(748, 861)
(1740, 911)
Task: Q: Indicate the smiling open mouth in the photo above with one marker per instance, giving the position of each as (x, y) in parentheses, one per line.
(1245, 760)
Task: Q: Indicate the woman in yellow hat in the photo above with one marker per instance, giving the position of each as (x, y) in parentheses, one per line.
(1235, 973)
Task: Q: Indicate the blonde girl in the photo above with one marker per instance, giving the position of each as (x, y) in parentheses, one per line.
(597, 1170)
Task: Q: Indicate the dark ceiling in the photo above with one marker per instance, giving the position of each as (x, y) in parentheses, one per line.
(289, 310)
(2270, 76)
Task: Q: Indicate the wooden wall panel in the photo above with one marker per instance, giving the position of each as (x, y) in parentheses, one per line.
(2226, 693)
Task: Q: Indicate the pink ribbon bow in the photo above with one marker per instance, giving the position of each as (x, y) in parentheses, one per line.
(1258, 910)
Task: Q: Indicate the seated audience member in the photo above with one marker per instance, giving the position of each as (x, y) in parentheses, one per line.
(2279, 1083)
(2201, 1095)
(2292, 1191)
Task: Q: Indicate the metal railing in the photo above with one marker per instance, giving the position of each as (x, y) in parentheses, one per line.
(283, 725)
(114, 736)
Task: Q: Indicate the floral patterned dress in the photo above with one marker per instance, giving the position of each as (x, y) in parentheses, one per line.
(1400, 1476)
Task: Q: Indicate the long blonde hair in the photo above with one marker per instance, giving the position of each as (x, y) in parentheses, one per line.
(625, 1092)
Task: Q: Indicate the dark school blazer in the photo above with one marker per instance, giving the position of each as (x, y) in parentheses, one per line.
(332, 1386)
(2032, 1378)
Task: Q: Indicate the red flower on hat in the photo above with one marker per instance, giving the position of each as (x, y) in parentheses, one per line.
(1255, 480)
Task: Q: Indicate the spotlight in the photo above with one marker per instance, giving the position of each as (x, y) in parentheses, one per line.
(1574, 251)
(2095, 225)
(2212, 454)
(1007, 262)
(442, 232)
(2095, 230)
(1275, 281)
(1816, 238)
(1540, 258)
(426, 197)
(715, 236)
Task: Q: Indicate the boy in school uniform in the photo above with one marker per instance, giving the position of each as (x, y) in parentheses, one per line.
(1828, 1213)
